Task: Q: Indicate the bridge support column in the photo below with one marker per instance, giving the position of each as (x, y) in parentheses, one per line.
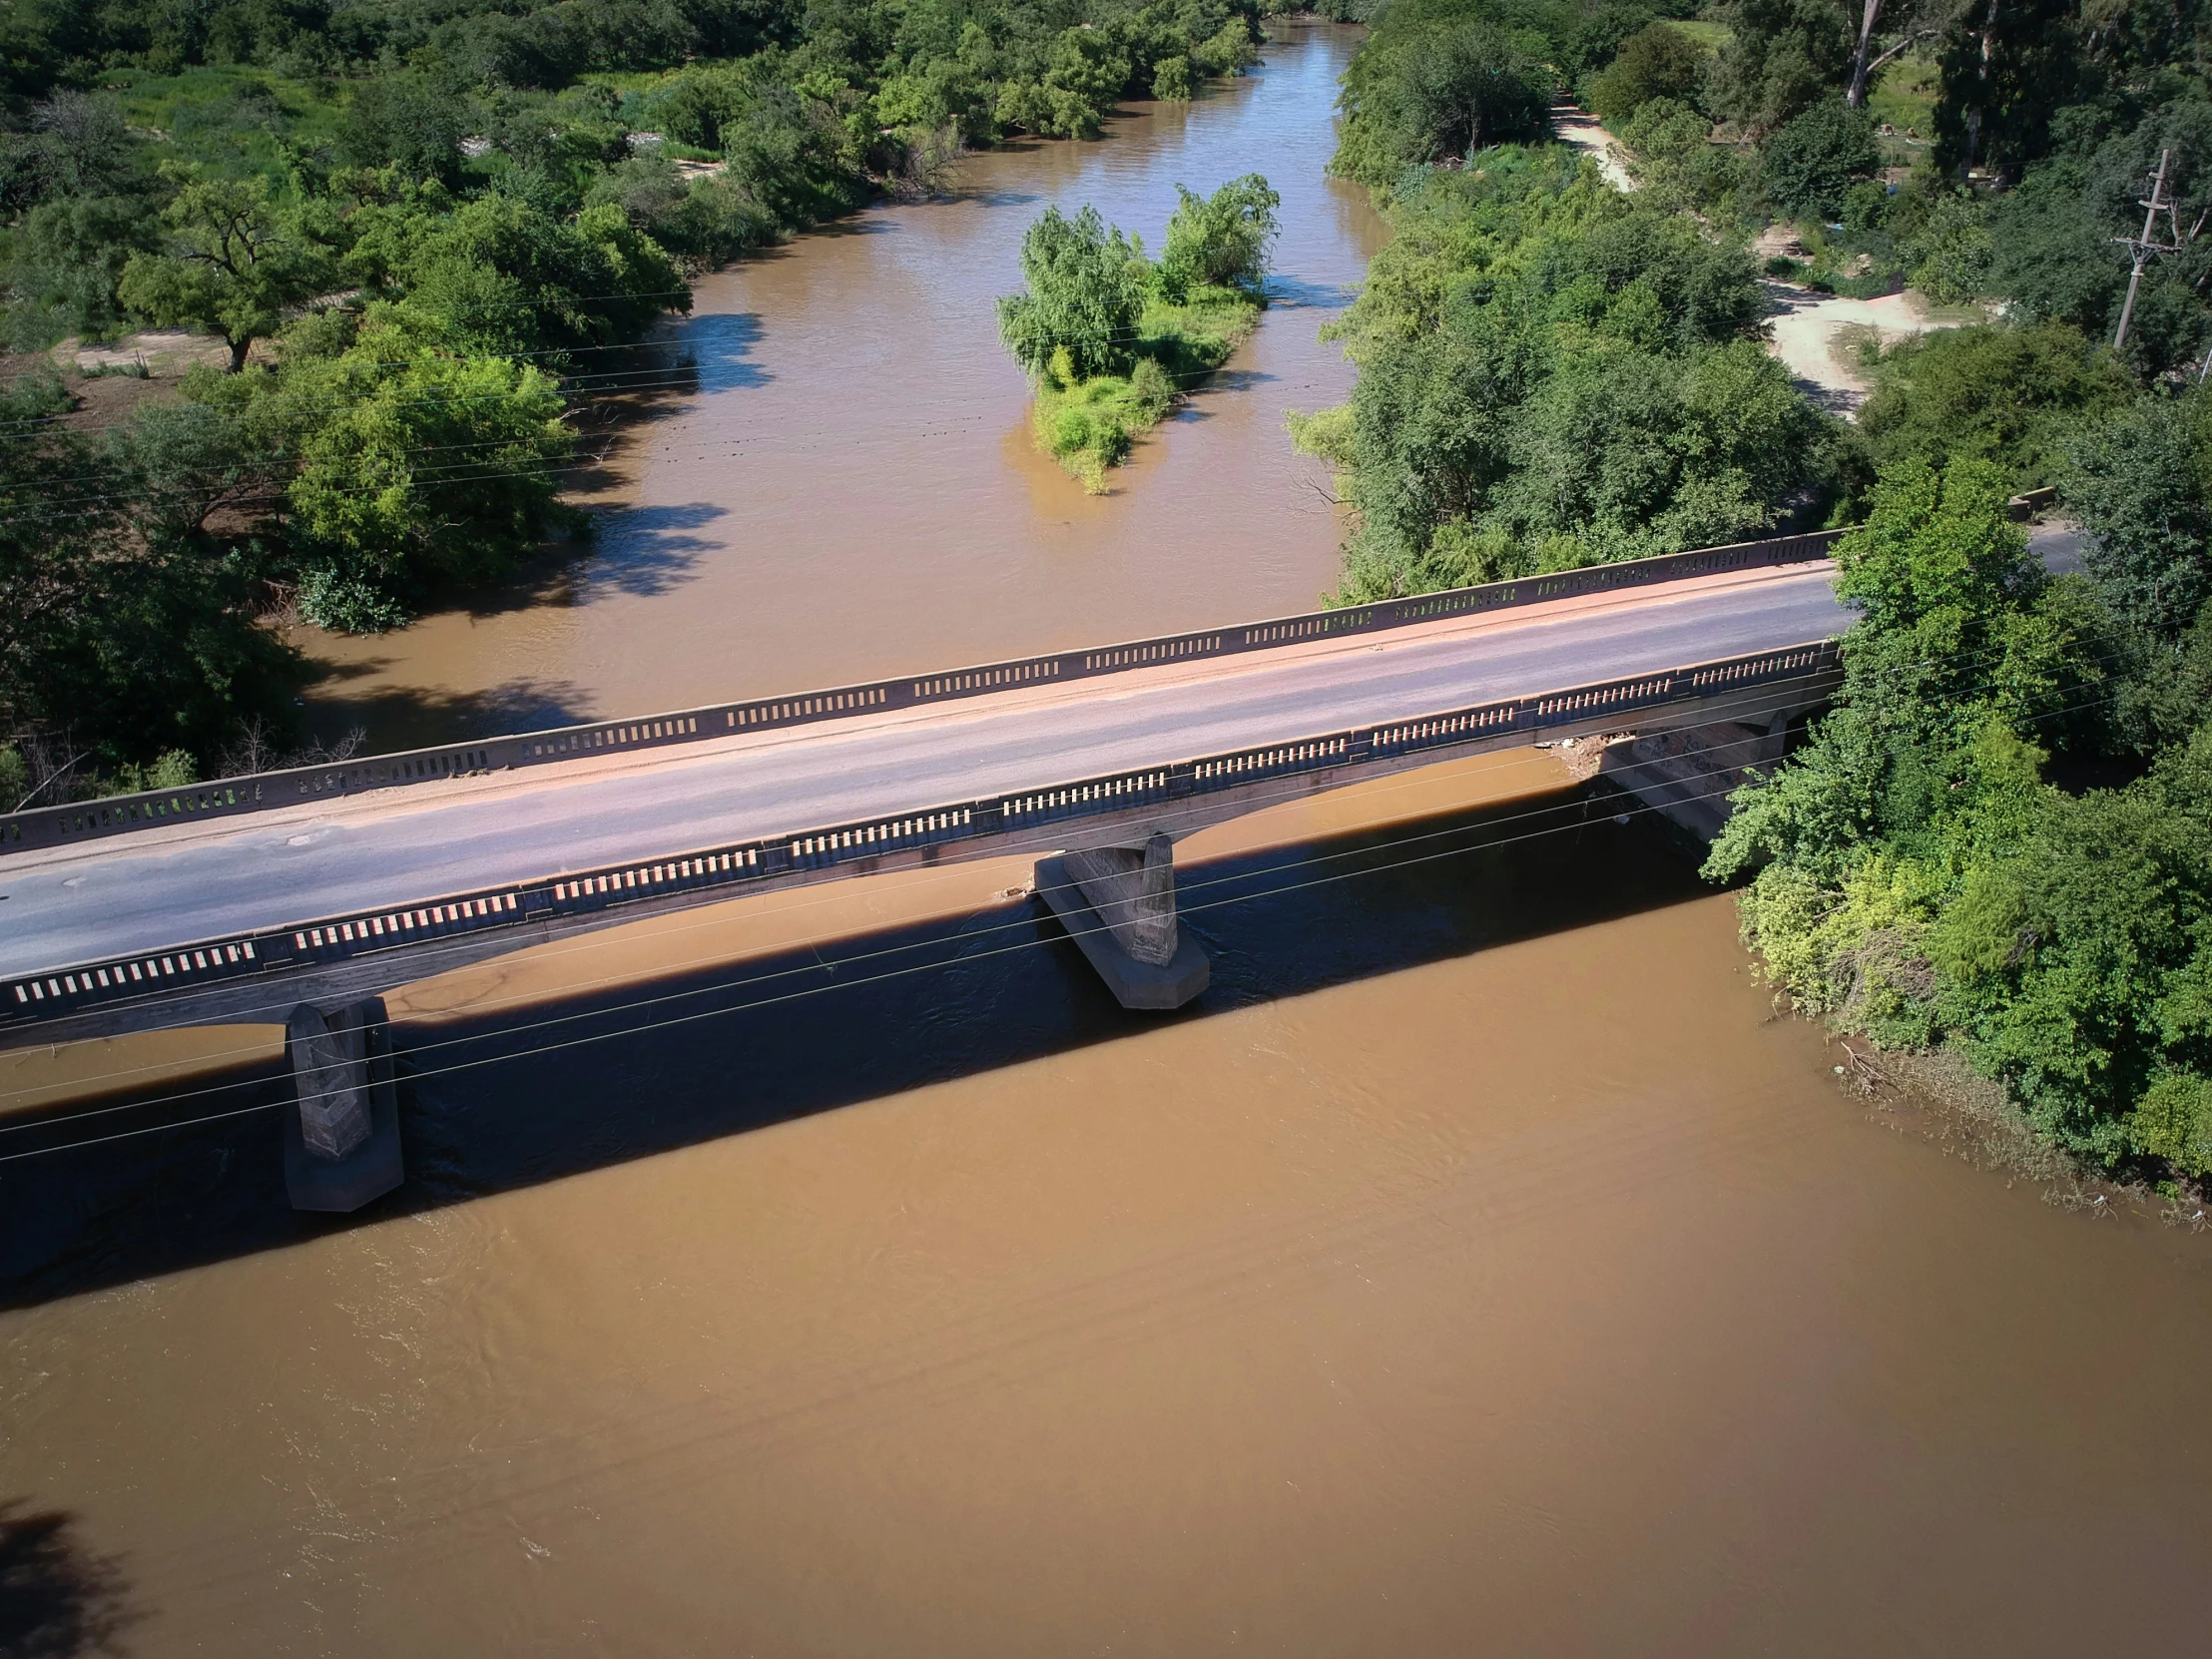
(1686, 776)
(1118, 903)
(341, 1139)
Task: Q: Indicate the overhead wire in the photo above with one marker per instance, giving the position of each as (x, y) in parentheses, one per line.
(648, 345)
(1289, 787)
(1270, 792)
(664, 969)
(693, 1018)
(1285, 788)
(84, 504)
(416, 1077)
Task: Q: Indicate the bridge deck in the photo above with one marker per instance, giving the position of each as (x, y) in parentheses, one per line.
(192, 881)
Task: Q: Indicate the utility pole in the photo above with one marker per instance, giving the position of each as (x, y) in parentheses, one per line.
(2142, 248)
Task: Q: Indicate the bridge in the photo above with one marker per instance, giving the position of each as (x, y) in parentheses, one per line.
(225, 900)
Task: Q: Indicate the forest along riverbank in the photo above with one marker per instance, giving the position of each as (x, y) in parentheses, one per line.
(1482, 1223)
(853, 488)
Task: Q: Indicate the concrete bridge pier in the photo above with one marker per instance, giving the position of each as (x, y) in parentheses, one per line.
(341, 1141)
(1118, 903)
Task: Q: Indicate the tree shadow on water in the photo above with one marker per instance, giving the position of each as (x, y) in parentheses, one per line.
(396, 717)
(57, 1597)
(648, 551)
(719, 345)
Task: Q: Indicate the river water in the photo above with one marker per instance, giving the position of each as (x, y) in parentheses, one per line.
(1478, 1267)
(845, 484)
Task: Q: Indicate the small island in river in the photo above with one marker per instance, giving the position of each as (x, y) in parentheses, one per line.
(1113, 338)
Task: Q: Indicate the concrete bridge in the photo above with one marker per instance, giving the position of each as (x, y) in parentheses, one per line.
(232, 899)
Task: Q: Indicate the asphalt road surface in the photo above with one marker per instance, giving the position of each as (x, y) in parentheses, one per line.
(163, 887)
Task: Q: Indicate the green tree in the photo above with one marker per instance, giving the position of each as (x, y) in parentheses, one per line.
(237, 263)
(2141, 484)
(127, 640)
(1782, 58)
(1993, 392)
(1674, 164)
(1085, 292)
(1221, 240)
(65, 262)
(1813, 158)
(1655, 61)
(408, 122)
(2007, 67)
(507, 275)
(416, 465)
(1434, 81)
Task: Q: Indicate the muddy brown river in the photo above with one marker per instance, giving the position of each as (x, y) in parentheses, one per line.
(1479, 1267)
(843, 482)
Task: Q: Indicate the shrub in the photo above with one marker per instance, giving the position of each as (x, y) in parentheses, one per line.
(1656, 62)
(1085, 292)
(1950, 248)
(1432, 83)
(1810, 164)
(1221, 240)
(1152, 389)
(2139, 483)
(1866, 205)
(1995, 393)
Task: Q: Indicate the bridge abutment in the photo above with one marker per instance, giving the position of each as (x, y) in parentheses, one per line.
(1686, 774)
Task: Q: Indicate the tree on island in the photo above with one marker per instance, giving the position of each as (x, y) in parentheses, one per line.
(1108, 335)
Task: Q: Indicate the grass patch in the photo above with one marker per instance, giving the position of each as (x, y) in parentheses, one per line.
(1711, 36)
(1090, 425)
(1903, 95)
(215, 100)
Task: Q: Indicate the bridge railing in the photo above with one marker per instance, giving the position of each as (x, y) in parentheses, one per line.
(267, 790)
(732, 866)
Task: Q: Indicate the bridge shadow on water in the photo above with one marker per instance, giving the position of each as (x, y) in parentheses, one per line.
(633, 1070)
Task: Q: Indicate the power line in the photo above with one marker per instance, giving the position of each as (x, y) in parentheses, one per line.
(1287, 788)
(878, 979)
(79, 506)
(1291, 787)
(33, 424)
(774, 1002)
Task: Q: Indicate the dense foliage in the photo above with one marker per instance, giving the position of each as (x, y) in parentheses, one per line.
(1111, 339)
(2004, 395)
(1554, 374)
(1437, 80)
(1925, 878)
(1653, 63)
(2000, 834)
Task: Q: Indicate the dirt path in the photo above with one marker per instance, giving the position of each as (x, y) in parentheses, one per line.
(1816, 336)
(1582, 130)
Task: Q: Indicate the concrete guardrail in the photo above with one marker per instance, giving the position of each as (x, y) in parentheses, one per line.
(331, 940)
(263, 792)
